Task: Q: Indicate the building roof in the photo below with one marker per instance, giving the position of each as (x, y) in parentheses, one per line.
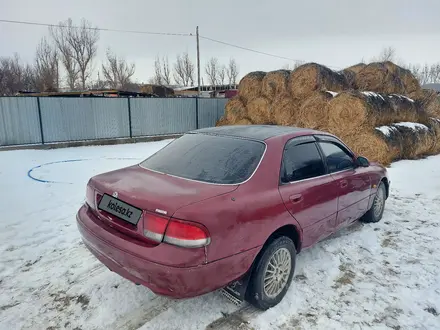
(256, 132)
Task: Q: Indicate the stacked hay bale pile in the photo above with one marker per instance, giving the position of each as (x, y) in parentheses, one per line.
(378, 109)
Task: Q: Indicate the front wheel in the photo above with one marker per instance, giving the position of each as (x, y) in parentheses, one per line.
(375, 213)
(273, 274)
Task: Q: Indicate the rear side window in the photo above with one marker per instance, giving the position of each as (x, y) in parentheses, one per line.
(337, 159)
(301, 162)
(208, 158)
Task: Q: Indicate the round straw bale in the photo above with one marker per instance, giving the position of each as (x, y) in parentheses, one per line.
(313, 113)
(434, 126)
(250, 85)
(370, 145)
(235, 108)
(259, 111)
(350, 111)
(284, 109)
(376, 77)
(275, 83)
(350, 74)
(312, 77)
(429, 100)
(408, 140)
(410, 82)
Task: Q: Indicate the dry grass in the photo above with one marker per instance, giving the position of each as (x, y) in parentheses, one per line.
(235, 109)
(259, 111)
(250, 86)
(314, 111)
(312, 77)
(284, 110)
(244, 121)
(275, 83)
(351, 72)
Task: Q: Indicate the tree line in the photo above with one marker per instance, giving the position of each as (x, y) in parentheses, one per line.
(66, 58)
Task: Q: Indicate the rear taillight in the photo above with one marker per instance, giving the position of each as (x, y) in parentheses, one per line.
(154, 227)
(175, 232)
(186, 234)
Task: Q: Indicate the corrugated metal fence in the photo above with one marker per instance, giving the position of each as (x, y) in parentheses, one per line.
(33, 120)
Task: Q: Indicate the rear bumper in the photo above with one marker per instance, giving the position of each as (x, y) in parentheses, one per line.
(175, 282)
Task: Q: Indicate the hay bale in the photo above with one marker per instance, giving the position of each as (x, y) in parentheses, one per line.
(222, 121)
(408, 140)
(410, 82)
(284, 109)
(250, 85)
(376, 77)
(275, 83)
(259, 111)
(369, 144)
(434, 126)
(429, 100)
(350, 74)
(235, 108)
(313, 113)
(350, 112)
(312, 77)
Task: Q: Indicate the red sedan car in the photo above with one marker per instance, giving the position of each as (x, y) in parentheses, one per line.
(228, 207)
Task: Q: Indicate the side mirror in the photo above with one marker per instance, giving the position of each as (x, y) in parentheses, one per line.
(362, 161)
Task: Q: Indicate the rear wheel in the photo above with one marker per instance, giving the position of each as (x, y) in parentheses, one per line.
(375, 213)
(273, 274)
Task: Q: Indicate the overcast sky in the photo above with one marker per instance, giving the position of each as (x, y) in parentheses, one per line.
(336, 33)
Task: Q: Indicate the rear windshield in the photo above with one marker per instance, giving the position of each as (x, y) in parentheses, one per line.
(208, 158)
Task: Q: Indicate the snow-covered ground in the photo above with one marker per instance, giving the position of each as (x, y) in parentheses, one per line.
(375, 276)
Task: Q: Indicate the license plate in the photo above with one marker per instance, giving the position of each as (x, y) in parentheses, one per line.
(120, 209)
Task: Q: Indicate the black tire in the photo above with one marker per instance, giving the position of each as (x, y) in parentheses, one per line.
(371, 215)
(256, 293)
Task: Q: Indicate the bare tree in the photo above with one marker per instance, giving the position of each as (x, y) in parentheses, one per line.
(46, 67)
(157, 78)
(184, 70)
(162, 73)
(232, 72)
(426, 73)
(222, 75)
(293, 65)
(78, 46)
(11, 75)
(212, 70)
(117, 72)
(166, 73)
(386, 54)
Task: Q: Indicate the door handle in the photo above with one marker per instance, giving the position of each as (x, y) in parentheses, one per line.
(344, 183)
(296, 198)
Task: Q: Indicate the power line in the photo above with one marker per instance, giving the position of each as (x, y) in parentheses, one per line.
(99, 29)
(257, 51)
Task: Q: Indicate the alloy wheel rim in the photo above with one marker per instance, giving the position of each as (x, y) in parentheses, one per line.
(378, 202)
(277, 272)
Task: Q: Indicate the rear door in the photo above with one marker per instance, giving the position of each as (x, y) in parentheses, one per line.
(353, 182)
(308, 192)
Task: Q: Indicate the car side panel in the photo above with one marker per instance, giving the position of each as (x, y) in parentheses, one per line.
(354, 189)
(316, 210)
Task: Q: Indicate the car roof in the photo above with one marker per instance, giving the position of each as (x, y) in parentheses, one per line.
(255, 132)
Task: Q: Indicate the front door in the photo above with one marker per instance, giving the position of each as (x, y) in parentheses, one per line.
(353, 182)
(308, 192)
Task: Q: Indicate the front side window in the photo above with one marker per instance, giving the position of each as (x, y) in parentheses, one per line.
(208, 158)
(301, 162)
(337, 158)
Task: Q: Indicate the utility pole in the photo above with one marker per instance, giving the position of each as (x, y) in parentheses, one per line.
(198, 61)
